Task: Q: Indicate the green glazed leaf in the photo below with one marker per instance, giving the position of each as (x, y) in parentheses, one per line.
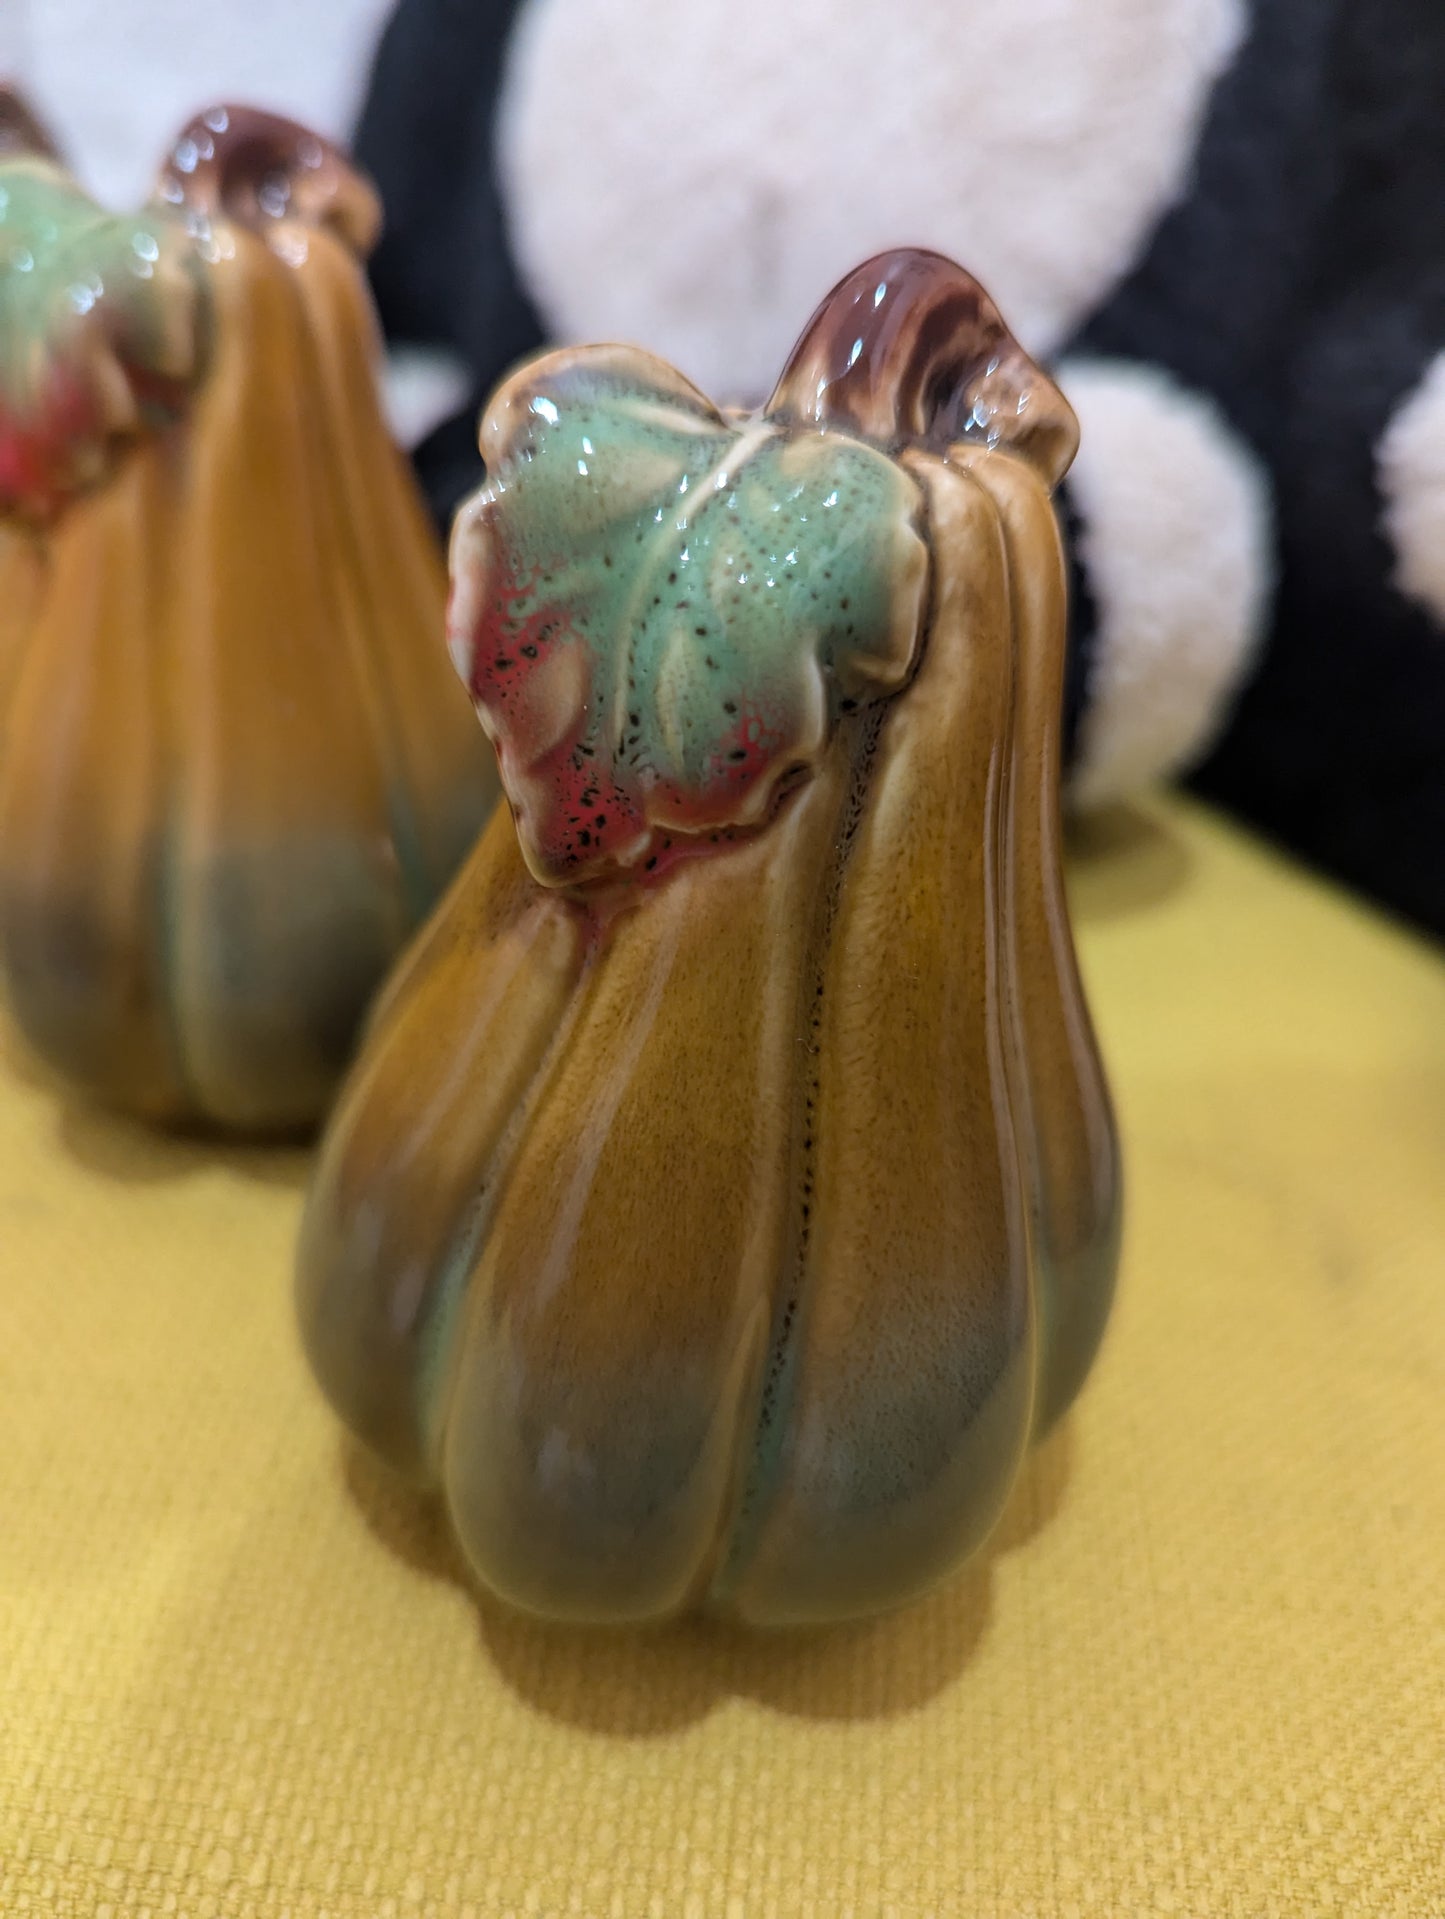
(101, 323)
(660, 611)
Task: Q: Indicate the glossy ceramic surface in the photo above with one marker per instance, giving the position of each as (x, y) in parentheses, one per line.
(235, 768)
(727, 1192)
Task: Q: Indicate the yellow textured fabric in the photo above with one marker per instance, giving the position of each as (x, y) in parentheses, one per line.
(1201, 1671)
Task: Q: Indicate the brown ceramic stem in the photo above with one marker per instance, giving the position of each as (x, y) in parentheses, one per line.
(909, 347)
(257, 168)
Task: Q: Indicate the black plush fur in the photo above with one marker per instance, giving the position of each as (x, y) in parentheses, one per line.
(444, 273)
(1301, 283)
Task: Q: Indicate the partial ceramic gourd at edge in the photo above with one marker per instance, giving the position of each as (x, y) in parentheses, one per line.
(727, 1191)
(236, 770)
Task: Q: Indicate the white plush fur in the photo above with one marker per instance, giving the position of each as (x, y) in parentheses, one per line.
(695, 177)
(1176, 542)
(118, 78)
(1411, 470)
(422, 385)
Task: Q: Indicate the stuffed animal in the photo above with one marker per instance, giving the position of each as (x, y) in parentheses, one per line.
(1220, 219)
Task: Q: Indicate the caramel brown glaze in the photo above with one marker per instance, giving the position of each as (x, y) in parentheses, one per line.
(235, 769)
(715, 1216)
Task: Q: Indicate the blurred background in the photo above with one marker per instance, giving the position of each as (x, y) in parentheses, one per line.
(1222, 222)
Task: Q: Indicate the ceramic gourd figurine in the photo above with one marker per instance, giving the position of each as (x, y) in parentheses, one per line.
(727, 1190)
(235, 767)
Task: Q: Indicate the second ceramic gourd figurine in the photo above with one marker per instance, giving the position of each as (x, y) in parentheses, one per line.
(727, 1192)
(235, 772)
